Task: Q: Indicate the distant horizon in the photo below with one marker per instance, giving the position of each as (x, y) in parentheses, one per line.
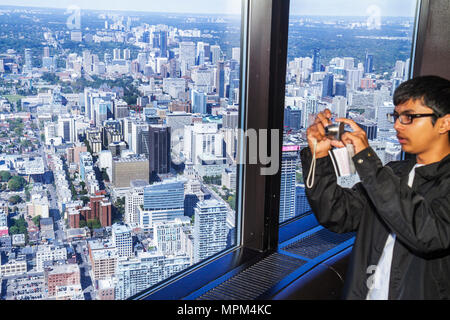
(307, 8)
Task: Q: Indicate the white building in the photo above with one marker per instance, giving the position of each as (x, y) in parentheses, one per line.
(210, 229)
(49, 253)
(122, 240)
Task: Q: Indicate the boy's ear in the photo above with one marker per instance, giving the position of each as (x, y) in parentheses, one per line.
(445, 124)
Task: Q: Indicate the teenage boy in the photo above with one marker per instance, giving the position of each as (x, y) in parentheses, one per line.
(401, 211)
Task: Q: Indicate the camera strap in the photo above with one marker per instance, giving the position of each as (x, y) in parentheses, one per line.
(312, 169)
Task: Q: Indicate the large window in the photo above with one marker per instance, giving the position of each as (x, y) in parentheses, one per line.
(349, 57)
(119, 131)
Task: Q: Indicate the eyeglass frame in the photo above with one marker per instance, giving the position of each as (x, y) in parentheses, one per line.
(392, 117)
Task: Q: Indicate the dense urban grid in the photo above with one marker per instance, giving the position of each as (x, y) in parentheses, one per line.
(119, 138)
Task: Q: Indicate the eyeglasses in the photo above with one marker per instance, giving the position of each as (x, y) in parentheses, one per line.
(406, 118)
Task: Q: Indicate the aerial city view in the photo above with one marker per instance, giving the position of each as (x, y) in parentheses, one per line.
(119, 136)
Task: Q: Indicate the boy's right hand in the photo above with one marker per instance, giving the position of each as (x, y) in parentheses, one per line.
(317, 131)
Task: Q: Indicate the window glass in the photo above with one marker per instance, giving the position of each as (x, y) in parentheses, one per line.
(118, 130)
(349, 57)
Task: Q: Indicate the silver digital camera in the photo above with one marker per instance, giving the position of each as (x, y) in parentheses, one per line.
(334, 131)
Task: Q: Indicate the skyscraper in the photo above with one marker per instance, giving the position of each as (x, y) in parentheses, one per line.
(316, 60)
(159, 149)
(210, 228)
(287, 191)
(198, 99)
(327, 89)
(121, 236)
(368, 63)
(220, 79)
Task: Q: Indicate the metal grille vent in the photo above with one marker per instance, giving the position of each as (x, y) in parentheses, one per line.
(255, 280)
(317, 243)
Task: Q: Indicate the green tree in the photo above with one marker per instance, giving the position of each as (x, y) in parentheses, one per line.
(15, 199)
(16, 183)
(5, 176)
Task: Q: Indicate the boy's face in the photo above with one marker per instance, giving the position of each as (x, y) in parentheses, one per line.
(420, 136)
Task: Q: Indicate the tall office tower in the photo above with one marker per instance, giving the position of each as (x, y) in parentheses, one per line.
(368, 63)
(339, 106)
(121, 109)
(198, 99)
(159, 149)
(103, 111)
(301, 201)
(230, 118)
(121, 238)
(309, 110)
(216, 53)
(203, 78)
(349, 63)
(136, 140)
(86, 164)
(116, 54)
(66, 129)
(341, 88)
(187, 56)
(399, 69)
(292, 118)
(210, 228)
(354, 78)
(163, 201)
(287, 191)
(126, 54)
(202, 139)
(220, 79)
(395, 83)
(133, 199)
(316, 60)
(327, 89)
(163, 43)
(407, 68)
(28, 61)
(370, 127)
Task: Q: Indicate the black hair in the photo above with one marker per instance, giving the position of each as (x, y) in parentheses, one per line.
(433, 91)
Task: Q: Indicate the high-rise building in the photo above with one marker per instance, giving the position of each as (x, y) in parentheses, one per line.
(368, 63)
(316, 60)
(121, 237)
(125, 170)
(210, 228)
(66, 129)
(163, 201)
(370, 127)
(309, 110)
(287, 189)
(327, 89)
(198, 99)
(341, 88)
(159, 149)
(28, 66)
(220, 79)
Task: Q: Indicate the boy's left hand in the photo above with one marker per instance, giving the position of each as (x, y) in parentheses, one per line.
(358, 138)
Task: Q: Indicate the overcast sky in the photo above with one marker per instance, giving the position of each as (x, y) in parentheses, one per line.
(298, 7)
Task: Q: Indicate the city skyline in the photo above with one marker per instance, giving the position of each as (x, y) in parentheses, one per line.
(386, 8)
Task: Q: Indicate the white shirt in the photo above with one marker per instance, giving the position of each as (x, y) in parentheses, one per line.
(379, 287)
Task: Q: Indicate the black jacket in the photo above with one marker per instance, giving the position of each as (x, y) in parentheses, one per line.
(383, 203)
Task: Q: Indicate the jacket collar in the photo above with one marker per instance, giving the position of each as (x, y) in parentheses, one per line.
(432, 170)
